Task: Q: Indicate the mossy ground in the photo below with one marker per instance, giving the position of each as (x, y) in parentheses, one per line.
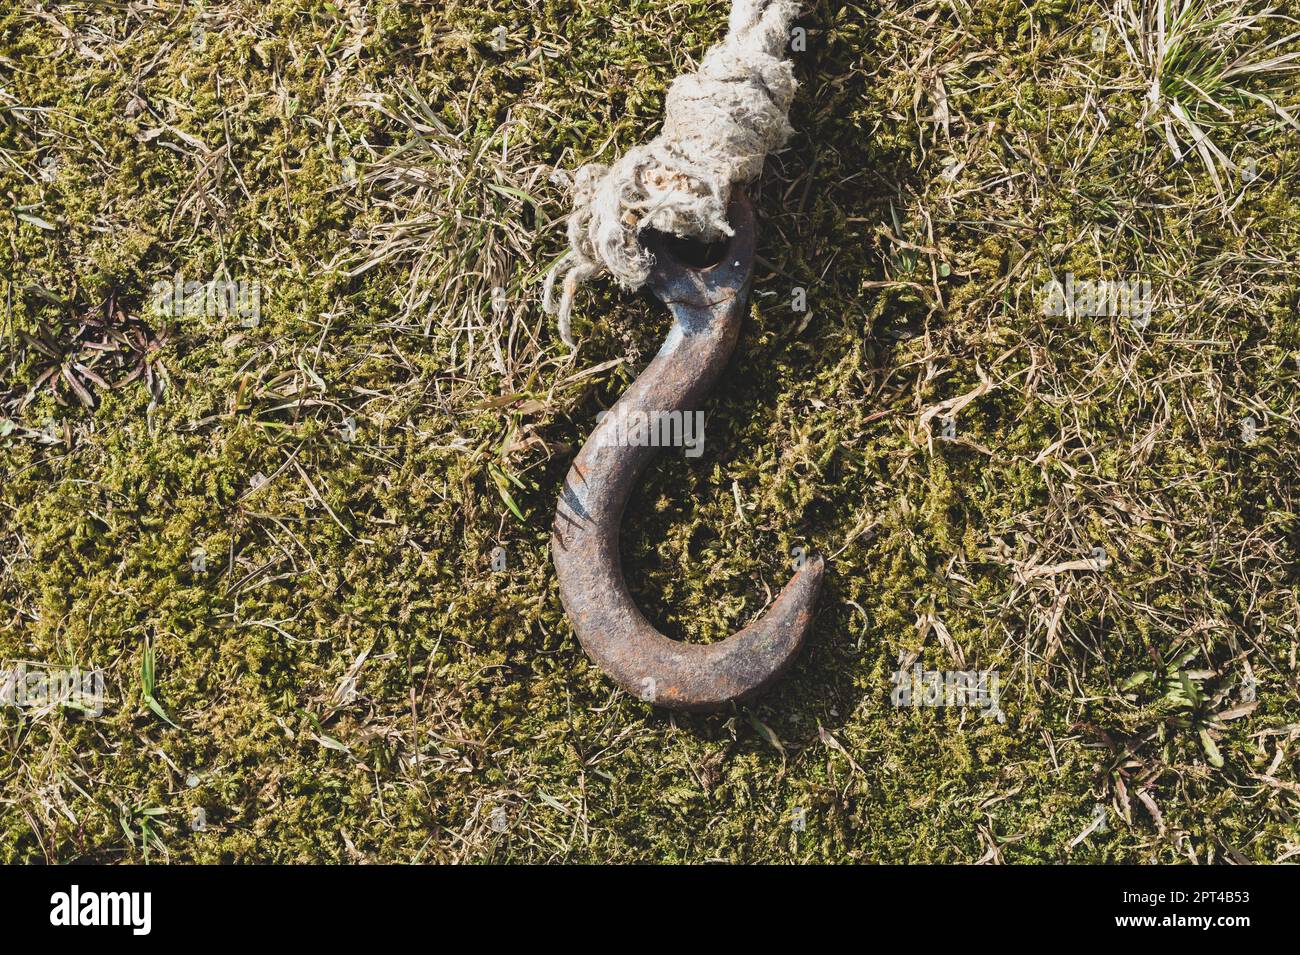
(351, 678)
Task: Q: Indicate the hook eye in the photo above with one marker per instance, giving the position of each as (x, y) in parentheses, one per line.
(697, 274)
(691, 253)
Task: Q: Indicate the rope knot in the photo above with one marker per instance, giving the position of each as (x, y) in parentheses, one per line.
(719, 125)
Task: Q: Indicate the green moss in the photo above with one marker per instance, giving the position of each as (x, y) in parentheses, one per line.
(352, 678)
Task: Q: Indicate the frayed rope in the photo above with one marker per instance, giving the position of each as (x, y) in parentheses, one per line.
(719, 125)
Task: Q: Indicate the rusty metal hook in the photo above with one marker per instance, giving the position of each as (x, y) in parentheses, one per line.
(707, 305)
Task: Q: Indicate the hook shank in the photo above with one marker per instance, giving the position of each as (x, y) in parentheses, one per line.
(707, 306)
